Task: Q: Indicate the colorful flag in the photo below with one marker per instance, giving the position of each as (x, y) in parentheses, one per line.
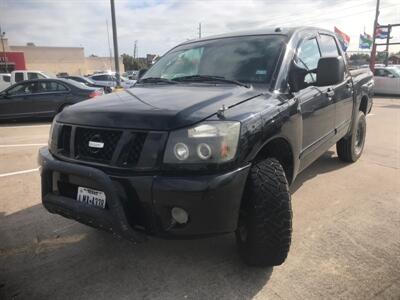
(344, 39)
(381, 33)
(365, 41)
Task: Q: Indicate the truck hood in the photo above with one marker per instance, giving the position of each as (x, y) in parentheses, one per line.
(156, 107)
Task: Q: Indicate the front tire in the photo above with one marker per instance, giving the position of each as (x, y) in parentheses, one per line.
(349, 149)
(265, 223)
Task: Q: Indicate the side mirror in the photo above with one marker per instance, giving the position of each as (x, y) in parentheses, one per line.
(141, 73)
(390, 76)
(330, 71)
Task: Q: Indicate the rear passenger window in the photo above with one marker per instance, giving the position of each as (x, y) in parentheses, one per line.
(328, 45)
(51, 86)
(32, 76)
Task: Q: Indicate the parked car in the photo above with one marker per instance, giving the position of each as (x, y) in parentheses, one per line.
(21, 75)
(132, 74)
(208, 141)
(387, 80)
(5, 81)
(111, 80)
(62, 75)
(88, 82)
(42, 97)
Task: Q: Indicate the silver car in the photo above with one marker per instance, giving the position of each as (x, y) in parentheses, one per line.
(387, 80)
(111, 80)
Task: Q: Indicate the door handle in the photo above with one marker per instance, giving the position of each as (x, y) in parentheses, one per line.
(330, 93)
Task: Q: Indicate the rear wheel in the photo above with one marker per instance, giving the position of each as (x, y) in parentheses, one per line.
(349, 149)
(265, 223)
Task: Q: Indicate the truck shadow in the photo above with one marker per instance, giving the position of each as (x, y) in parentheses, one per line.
(44, 256)
(328, 162)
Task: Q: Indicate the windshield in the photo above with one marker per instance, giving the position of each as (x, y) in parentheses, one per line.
(249, 59)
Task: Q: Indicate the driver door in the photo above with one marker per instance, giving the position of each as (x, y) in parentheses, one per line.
(15, 102)
(315, 105)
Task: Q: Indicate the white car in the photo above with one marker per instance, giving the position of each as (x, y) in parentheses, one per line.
(111, 81)
(5, 79)
(387, 80)
(21, 75)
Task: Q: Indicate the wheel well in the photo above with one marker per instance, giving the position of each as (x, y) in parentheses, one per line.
(364, 104)
(280, 149)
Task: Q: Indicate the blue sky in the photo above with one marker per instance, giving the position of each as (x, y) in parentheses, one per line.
(160, 24)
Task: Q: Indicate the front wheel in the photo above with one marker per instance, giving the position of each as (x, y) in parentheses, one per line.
(349, 149)
(265, 222)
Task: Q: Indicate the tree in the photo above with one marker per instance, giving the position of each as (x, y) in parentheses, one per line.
(131, 63)
(359, 56)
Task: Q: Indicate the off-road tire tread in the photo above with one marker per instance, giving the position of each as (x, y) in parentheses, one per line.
(344, 147)
(267, 204)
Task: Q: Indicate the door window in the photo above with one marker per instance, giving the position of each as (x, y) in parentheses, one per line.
(6, 78)
(19, 77)
(382, 73)
(101, 78)
(51, 86)
(308, 55)
(328, 45)
(24, 89)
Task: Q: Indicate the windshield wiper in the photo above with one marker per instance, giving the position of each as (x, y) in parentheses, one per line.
(157, 79)
(200, 78)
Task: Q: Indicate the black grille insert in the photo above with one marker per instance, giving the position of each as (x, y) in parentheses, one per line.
(64, 141)
(131, 152)
(96, 145)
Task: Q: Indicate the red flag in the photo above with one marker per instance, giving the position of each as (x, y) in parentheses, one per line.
(344, 39)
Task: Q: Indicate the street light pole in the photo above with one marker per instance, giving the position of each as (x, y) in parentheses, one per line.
(115, 42)
(2, 34)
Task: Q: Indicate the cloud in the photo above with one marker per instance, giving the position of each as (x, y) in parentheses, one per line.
(159, 25)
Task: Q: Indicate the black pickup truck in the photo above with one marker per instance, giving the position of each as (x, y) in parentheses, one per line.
(209, 140)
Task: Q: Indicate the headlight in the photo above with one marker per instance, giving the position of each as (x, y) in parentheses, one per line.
(208, 142)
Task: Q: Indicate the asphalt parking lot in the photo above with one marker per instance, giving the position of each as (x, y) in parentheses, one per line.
(346, 240)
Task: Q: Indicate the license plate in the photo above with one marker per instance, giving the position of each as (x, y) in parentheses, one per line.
(91, 197)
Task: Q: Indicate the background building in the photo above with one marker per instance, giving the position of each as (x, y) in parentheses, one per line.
(53, 60)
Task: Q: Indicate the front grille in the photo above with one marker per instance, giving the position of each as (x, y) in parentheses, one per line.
(118, 148)
(109, 139)
(131, 152)
(64, 141)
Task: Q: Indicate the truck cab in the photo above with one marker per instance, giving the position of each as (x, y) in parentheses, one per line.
(21, 75)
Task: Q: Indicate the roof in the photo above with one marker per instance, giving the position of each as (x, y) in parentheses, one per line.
(288, 31)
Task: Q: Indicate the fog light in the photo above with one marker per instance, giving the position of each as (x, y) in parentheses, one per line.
(181, 151)
(179, 215)
(204, 151)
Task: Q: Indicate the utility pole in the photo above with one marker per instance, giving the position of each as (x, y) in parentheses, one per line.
(115, 42)
(2, 34)
(109, 45)
(373, 52)
(200, 30)
(135, 50)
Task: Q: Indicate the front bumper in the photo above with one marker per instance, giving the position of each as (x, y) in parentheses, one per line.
(142, 204)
